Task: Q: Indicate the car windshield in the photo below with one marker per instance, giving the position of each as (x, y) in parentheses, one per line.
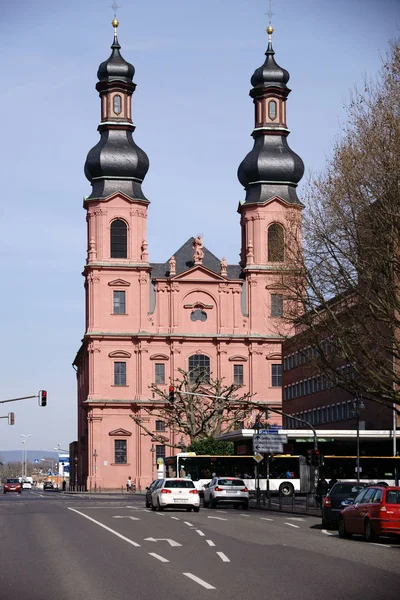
(347, 488)
(182, 483)
(230, 482)
(12, 480)
(393, 497)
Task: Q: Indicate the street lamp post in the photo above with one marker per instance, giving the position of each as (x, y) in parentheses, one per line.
(95, 455)
(76, 472)
(358, 405)
(25, 452)
(22, 459)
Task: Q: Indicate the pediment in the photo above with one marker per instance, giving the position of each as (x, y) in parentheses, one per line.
(199, 305)
(121, 195)
(120, 432)
(199, 273)
(119, 354)
(119, 283)
(159, 357)
(238, 358)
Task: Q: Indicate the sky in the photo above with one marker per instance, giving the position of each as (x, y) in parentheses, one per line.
(193, 118)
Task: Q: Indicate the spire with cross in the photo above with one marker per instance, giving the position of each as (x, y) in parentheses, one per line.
(115, 7)
(270, 13)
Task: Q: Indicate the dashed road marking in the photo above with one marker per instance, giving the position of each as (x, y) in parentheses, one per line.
(243, 515)
(210, 542)
(201, 582)
(200, 532)
(223, 557)
(188, 524)
(293, 525)
(265, 519)
(175, 518)
(328, 532)
(158, 557)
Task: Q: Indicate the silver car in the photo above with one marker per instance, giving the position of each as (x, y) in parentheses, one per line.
(226, 490)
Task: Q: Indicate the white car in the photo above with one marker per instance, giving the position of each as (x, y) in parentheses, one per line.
(26, 485)
(226, 490)
(175, 493)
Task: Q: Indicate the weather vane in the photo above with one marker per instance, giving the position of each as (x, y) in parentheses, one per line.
(115, 7)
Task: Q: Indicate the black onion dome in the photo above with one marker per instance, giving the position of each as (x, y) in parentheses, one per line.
(270, 73)
(115, 67)
(115, 164)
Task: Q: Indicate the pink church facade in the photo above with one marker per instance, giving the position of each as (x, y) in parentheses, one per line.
(144, 320)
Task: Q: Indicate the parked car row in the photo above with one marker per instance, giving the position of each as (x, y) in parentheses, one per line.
(182, 493)
(359, 508)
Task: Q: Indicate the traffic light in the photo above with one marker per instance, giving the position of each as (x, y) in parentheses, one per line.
(11, 418)
(314, 458)
(42, 398)
(171, 396)
(309, 457)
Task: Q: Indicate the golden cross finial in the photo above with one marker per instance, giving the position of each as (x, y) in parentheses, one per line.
(270, 29)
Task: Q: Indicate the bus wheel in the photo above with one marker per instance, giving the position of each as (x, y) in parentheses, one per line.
(286, 489)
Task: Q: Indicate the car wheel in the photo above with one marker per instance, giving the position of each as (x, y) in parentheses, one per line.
(342, 529)
(286, 489)
(245, 506)
(205, 503)
(160, 508)
(213, 503)
(147, 504)
(369, 533)
(153, 508)
(196, 509)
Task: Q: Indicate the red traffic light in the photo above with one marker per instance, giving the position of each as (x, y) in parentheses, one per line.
(171, 396)
(42, 398)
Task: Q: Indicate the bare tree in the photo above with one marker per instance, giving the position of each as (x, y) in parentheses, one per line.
(200, 410)
(344, 292)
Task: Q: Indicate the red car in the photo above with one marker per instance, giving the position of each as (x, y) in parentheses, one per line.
(12, 485)
(374, 512)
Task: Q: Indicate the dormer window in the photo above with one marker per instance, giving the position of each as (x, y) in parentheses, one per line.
(272, 110)
(117, 104)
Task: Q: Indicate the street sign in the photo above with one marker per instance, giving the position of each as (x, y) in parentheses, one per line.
(269, 448)
(258, 457)
(36, 461)
(49, 472)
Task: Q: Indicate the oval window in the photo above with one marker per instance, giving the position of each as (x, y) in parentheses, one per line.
(117, 104)
(272, 110)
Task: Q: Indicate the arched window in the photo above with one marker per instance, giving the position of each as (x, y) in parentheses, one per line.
(199, 368)
(272, 110)
(118, 235)
(276, 243)
(117, 104)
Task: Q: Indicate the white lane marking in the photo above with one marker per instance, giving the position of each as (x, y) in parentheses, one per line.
(222, 511)
(383, 545)
(243, 515)
(265, 519)
(119, 517)
(160, 514)
(170, 542)
(217, 518)
(206, 585)
(200, 532)
(188, 524)
(223, 557)
(175, 518)
(293, 525)
(158, 557)
(327, 532)
(295, 519)
(210, 542)
(133, 507)
(122, 537)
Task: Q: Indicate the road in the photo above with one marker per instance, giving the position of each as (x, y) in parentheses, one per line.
(66, 547)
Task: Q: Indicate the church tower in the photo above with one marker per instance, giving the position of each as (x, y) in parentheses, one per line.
(270, 174)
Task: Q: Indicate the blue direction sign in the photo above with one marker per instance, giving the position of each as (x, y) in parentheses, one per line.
(36, 461)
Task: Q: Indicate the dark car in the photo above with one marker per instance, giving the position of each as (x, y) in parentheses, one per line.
(149, 491)
(12, 485)
(341, 491)
(48, 485)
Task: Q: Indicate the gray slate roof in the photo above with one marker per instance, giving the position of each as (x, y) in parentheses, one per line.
(184, 262)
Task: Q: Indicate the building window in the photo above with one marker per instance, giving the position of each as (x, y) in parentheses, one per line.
(160, 451)
(119, 239)
(120, 373)
(276, 372)
(199, 368)
(117, 104)
(272, 110)
(284, 364)
(238, 374)
(119, 302)
(160, 426)
(276, 305)
(276, 243)
(328, 413)
(120, 452)
(198, 315)
(159, 374)
(343, 410)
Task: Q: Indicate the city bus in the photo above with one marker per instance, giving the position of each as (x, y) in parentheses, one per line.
(373, 469)
(288, 474)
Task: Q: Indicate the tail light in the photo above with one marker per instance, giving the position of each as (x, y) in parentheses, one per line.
(327, 501)
(165, 491)
(193, 492)
(218, 489)
(383, 509)
(244, 490)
